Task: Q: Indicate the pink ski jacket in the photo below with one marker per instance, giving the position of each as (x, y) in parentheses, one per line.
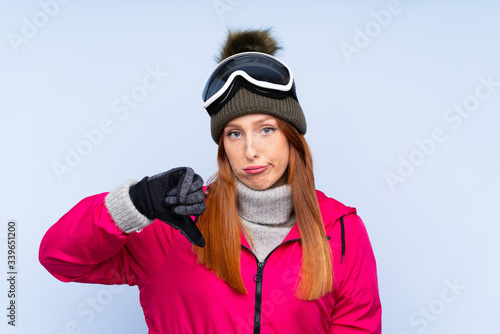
(179, 295)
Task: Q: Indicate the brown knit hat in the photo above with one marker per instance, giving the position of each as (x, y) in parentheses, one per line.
(245, 102)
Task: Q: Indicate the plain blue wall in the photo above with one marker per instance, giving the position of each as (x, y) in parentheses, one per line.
(402, 100)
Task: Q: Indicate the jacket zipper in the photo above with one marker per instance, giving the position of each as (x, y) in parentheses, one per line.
(258, 297)
(258, 277)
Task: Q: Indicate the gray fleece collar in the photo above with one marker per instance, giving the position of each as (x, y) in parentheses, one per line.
(272, 207)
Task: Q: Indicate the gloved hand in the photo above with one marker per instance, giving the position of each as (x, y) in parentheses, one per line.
(172, 197)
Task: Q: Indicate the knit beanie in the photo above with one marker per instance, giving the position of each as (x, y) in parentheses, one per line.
(245, 102)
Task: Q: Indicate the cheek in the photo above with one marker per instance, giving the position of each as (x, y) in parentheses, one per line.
(282, 153)
(230, 158)
(232, 155)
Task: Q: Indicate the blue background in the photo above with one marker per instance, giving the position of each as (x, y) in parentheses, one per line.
(380, 83)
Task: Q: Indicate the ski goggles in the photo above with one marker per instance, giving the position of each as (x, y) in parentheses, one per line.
(261, 73)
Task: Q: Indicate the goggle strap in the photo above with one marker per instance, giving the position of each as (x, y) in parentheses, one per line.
(239, 82)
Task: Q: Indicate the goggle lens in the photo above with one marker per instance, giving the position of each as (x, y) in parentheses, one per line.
(258, 66)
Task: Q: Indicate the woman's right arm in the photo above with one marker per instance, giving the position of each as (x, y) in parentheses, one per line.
(88, 245)
(96, 241)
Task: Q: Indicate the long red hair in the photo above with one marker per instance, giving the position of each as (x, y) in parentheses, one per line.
(220, 223)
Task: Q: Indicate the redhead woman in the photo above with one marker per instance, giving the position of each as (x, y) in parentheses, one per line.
(266, 253)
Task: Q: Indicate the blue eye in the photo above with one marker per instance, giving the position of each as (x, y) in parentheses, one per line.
(234, 134)
(268, 130)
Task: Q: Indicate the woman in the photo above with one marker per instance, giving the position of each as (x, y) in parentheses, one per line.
(268, 254)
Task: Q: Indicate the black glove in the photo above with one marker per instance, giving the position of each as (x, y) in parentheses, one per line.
(172, 197)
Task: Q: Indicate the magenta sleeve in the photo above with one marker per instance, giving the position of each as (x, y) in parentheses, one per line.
(358, 308)
(85, 245)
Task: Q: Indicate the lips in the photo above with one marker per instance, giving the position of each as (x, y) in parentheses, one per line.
(255, 169)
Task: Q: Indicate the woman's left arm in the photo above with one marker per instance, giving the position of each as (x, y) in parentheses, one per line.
(358, 308)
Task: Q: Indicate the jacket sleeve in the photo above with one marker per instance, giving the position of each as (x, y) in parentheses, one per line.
(86, 245)
(358, 308)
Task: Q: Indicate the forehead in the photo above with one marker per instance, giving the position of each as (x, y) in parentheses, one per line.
(252, 119)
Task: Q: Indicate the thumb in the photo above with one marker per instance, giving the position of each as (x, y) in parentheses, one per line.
(188, 228)
(192, 233)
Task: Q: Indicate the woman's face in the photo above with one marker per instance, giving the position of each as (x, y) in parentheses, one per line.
(257, 151)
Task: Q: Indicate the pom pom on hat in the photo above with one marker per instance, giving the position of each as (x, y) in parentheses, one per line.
(248, 40)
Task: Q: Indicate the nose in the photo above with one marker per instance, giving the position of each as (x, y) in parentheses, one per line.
(251, 148)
